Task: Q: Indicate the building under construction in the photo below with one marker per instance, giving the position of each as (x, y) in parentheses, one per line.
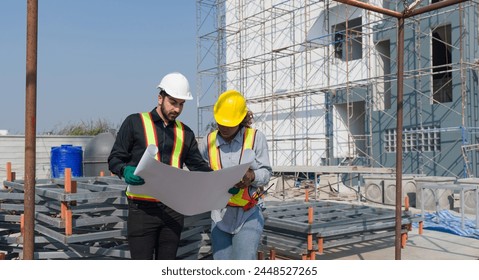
(321, 79)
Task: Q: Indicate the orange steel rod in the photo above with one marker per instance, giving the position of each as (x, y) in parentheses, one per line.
(310, 221)
(421, 227)
(68, 222)
(403, 240)
(70, 185)
(310, 241)
(320, 245)
(9, 171)
(68, 180)
(272, 254)
(22, 224)
(69, 188)
(406, 207)
(63, 209)
(312, 255)
(310, 215)
(102, 173)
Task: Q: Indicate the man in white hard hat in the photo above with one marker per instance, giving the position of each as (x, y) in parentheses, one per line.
(154, 229)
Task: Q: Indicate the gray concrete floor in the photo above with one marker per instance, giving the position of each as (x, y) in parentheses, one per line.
(431, 245)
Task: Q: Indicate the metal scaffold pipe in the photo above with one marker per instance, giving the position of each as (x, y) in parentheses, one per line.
(399, 125)
(370, 7)
(30, 129)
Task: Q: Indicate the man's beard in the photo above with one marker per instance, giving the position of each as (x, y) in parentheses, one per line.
(165, 114)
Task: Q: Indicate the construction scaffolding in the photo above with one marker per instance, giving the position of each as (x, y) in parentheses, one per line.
(320, 77)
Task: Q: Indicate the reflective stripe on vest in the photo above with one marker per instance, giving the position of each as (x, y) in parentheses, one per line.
(242, 197)
(152, 139)
(150, 132)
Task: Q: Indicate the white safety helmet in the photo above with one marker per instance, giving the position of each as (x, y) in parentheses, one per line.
(176, 85)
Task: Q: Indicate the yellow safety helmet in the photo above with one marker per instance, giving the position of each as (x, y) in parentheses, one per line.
(230, 108)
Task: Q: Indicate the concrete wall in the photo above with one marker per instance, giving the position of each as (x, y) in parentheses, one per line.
(12, 149)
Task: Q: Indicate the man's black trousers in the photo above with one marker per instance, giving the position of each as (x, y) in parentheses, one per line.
(154, 230)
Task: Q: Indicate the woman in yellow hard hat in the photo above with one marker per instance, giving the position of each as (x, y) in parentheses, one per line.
(237, 228)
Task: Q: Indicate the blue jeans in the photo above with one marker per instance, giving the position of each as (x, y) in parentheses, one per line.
(242, 245)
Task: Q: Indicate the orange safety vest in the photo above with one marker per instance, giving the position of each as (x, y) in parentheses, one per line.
(151, 138)
(242, 197)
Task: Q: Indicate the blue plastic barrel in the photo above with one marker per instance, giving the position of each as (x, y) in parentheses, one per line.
(66, 156)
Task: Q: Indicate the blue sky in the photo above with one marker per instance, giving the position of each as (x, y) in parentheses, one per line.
(97, 59)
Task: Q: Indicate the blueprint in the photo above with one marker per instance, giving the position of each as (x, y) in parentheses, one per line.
(188, 192)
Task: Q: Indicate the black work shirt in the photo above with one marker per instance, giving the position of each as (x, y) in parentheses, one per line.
(130, 144)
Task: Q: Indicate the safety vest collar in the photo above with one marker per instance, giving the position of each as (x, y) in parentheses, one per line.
(238, 138)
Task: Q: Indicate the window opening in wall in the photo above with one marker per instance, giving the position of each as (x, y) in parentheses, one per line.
(384, 72)
(425, 139)
(441, 60)
(338, 45)
(354, 40)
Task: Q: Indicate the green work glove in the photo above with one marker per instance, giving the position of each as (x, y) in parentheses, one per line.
(234, 190)
(131, 178)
